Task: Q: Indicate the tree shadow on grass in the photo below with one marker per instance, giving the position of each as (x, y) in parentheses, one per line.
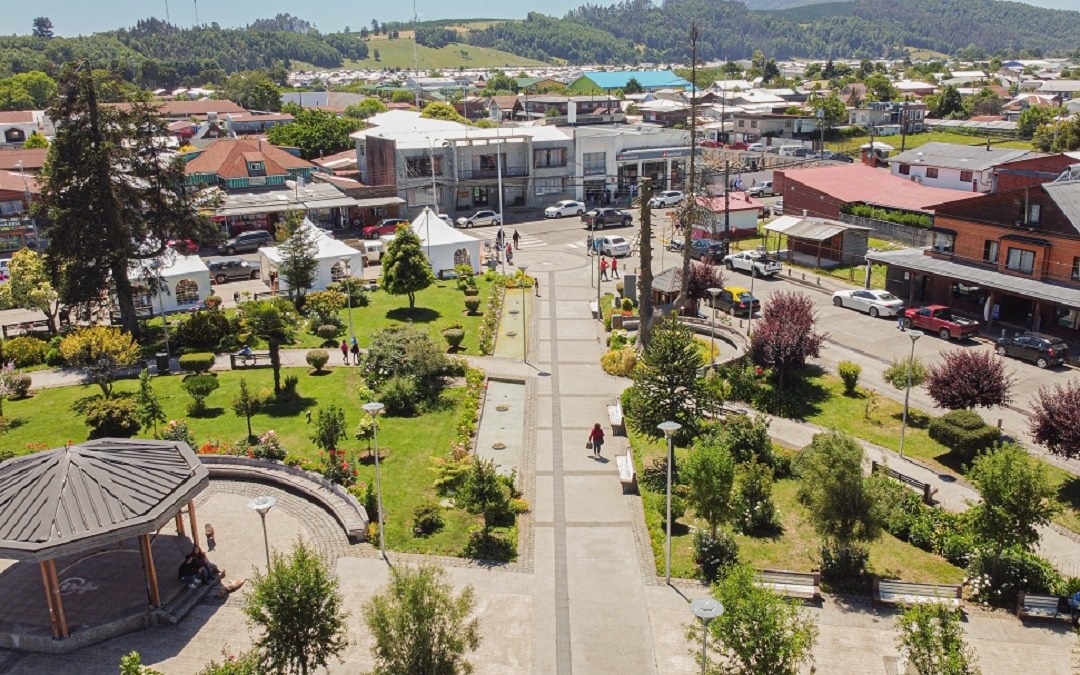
(915, 419)
(289, 408)
(12, 423)
(801, 396)
(416, 315)
(208, 413)
(1069, 493)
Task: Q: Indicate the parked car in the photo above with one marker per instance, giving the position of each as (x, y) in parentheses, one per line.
(738, 145)
(446, 219)
(597, 219)
(710, 143)
(834, 156)
(480, 218)
(1042, 350)
(735, 298)
(755, 147)
(753, 261)
(231, 269)
(666, 198)
(567, 207)
(708, 251)
(939, 319)
(615, 247)
(383, 227)
(183, 246)
(777, 207)
(246, 242)
(762, 189)
(675, 244)
(873, 302)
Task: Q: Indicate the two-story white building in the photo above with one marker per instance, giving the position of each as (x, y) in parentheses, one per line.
(612, 159)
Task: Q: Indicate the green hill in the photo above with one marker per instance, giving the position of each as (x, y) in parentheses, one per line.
(399, 54)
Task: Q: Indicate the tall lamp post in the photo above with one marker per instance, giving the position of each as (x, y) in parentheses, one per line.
(705, 609)
(524, 321)
(712, 324)
(262, 506)
(750, 311)
(914, 335)
(348, 293)
(156, 264)
(373, 409)
(669, 428)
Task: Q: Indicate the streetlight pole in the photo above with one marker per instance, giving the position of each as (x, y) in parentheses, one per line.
(348, 293)
(705, 609)
(157, 264)
(524, 321)
(669, 428)
(914, 335)
(750, 311)
(373, 409)
(262, 506)
(712, 324)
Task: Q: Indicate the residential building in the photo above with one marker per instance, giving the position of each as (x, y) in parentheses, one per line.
(336, 101)
(1065, 89)
(751, 127)
(650, 80)
(572, 110)
(18, 190)
(955, 167)
(665, 113)
(183, 109)
(504, 107)
(17, 125)
(233, 164)
(16, 159)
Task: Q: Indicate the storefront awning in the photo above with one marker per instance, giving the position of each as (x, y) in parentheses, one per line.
(340, 202)
(916, 261)
(379, 201)
(255, 210)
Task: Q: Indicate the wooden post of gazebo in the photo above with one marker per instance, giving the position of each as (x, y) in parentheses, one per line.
(180, 522)
(194, 522)
(52, 595)
(147, 551)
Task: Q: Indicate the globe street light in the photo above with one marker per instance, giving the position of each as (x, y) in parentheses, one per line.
(712, 324)
(705, 609)
(373, 409)
(914, 335)
(524, 321)
(262, 506)
(669, 429)
(348, 293)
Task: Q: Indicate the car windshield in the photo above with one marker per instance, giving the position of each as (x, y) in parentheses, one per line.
(746, 297)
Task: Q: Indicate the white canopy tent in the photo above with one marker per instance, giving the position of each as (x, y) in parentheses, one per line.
(330, 254)
(184, 282)
(445, 246)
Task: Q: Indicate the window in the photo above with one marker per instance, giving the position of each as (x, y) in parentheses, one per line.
(966, 176)
(753, 124)
(990, 250)
(549, 157)
(11, 208)
(931, 172)
(256, 168)
(742, 123)
(1020, 260)
(420, 167)
(187, 292)
(1076, 269)
(550, 186)
(943, 242)
(338, 271)
(1034, 212)
(462, 257)
(422, 196)
(905, 169)
(594, 163)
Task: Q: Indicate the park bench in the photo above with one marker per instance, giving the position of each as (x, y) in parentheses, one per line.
(594, 307)
(627, 476)
(893, 592)
(252, 360)
(925, 489)
(800, 585)
(1034, 606)
(615, 415)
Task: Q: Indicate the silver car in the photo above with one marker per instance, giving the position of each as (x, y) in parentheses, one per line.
(873, 302)
(567, 207)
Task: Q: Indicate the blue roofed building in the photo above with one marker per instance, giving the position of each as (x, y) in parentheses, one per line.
(650, 80)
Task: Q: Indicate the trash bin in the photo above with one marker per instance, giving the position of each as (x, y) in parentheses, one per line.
(162, 360)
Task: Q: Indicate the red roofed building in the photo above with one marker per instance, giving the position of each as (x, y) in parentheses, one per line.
(741, 221)
(30, 161)
(241, 163)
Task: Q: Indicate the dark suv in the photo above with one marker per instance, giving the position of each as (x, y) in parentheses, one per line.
(1042, 350)
(246, 241)
(708, 251)
(231, 269)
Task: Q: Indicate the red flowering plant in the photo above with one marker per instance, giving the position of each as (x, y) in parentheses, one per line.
(337, 468)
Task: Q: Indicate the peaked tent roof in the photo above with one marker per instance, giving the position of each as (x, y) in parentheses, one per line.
(328, 247)
(428, 224)
(71, 499)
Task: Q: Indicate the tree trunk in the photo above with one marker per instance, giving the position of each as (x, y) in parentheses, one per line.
(275, 363)
(645, 281)
(125, 299)
(412, 301)
(249, 427)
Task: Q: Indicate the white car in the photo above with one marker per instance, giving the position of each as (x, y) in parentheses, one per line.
(763, 189)
(666, 198)
(446, 219)
(615, 247)
(480, 218)
(873, 302)
(756, 147)
(754, 262)
(567, 207)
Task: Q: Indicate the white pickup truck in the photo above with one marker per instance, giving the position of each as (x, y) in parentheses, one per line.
(755, 261)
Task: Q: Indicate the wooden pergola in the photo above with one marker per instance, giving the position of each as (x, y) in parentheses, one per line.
(81, 497)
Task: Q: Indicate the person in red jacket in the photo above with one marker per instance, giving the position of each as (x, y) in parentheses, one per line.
(596, 437)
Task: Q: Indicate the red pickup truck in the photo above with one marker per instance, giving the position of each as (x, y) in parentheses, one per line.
(939, 319)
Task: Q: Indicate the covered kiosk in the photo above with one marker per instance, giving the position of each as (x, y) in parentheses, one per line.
(821, 242)
(80, 504)
(330, 255)
(182, 281)
(446, 247)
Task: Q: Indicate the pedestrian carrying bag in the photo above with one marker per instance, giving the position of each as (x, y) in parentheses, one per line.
(588, 445)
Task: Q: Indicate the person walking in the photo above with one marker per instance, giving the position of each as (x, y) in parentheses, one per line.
(614, 267)
(589, 243)
(345, 351)
(355, 349)
(536, 285)
(603, 269)
(596, 439)
(517, 239)
(509, 254)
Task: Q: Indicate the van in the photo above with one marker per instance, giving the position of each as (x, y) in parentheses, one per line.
(790, 150)
(372, 250)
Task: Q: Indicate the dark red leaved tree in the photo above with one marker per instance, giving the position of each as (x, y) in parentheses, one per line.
(966, 379)
(702, 278)
(784, 338)
(1055, 419)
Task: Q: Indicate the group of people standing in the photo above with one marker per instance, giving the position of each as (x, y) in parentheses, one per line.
(504, 246)
(592, 244)
(353, 349)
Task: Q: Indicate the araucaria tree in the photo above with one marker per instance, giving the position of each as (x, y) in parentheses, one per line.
(147, 407)
(248, 403)
(112, 196)
(666, 383)
(965, 379)
(759, 631)
(274, 322)
(1055, 419)
(784, 338)
(482, 493)
(419, 626)
(299, 608)
(1017, 497)
(933, 638)
(405, 267)
(298, 248)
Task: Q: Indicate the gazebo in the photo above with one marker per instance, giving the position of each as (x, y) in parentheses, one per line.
(78, 498)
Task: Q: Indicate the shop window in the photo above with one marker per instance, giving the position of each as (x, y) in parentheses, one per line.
(990, 250)
(1067, 318)
(968, 293)
(11, 208)
(594, 163)
(462, 257)
(931, 172)
(966, 176)
(1020, 260)
(905, 169)
(187, 292)
(549, 186)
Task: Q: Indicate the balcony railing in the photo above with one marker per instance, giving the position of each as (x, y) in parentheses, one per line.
(507, 172)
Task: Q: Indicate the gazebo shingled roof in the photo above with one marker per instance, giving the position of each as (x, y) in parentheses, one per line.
(75, 498)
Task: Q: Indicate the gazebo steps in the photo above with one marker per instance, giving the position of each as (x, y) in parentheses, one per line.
(181, 605)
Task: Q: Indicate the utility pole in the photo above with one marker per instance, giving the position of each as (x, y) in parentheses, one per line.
(689, 210)
(727, 210)
(645, 280)
(415, 58)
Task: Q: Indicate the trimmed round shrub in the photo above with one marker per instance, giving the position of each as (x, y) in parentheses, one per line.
(843, 564)
(199, 387)
(619, 362)
(53, 358)
(401, 396)
(454, 337)
(472, 303)
(471, 291)
(205, 330)
(715, 555)
(25, 351)
(849, 372)
(20, 385)
(964, 433)
(199, 362)
(427, 519)
(327, 331)
(317, 358)
(112, 418)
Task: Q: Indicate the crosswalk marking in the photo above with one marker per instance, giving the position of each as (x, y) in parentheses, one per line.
(529, 241)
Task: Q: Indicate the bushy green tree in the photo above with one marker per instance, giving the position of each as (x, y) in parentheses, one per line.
(1034, 117)
(419, 626)
(947, 103)
(330, 428)
(315, 132)
(35, 141)
(101, 352)
(274, 322)
(405, 267)
(666, 382)
(147, 407)
(437, 110)
(932, 637)
(253, 90)
(30, 286)
(298, 606)
(482, 492)
(835, 111)
(366, 108)
(708, 473)
(1017, 497)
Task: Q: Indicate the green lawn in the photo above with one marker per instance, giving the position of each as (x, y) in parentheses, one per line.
(852, 144)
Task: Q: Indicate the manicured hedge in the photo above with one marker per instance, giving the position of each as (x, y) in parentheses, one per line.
(964, 432)
(199, 362)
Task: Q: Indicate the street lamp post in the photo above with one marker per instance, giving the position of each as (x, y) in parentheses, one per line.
(669, 428)
(712, 324)
(750, 311)
(524, 321)
(705, 609)
(262, 506)
(157, 264)
(914, 335)
(373, 409)
(348, 293)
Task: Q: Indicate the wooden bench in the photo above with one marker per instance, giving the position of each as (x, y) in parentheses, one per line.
(799, 585)
(627, 476)
(594, 307)
(252, 360)
(927, 491)
(1034, 606)
(893, 592)
(615, 415)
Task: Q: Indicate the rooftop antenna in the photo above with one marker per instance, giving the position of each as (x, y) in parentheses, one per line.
(167, 19)
(196, 12)
(415, 58)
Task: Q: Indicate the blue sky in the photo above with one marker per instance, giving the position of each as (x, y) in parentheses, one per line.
(74, 17)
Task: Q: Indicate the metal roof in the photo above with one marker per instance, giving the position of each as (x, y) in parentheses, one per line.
(967, 157)
(75, 498)
(914, 259)
(814, 229)
(1066, 194)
